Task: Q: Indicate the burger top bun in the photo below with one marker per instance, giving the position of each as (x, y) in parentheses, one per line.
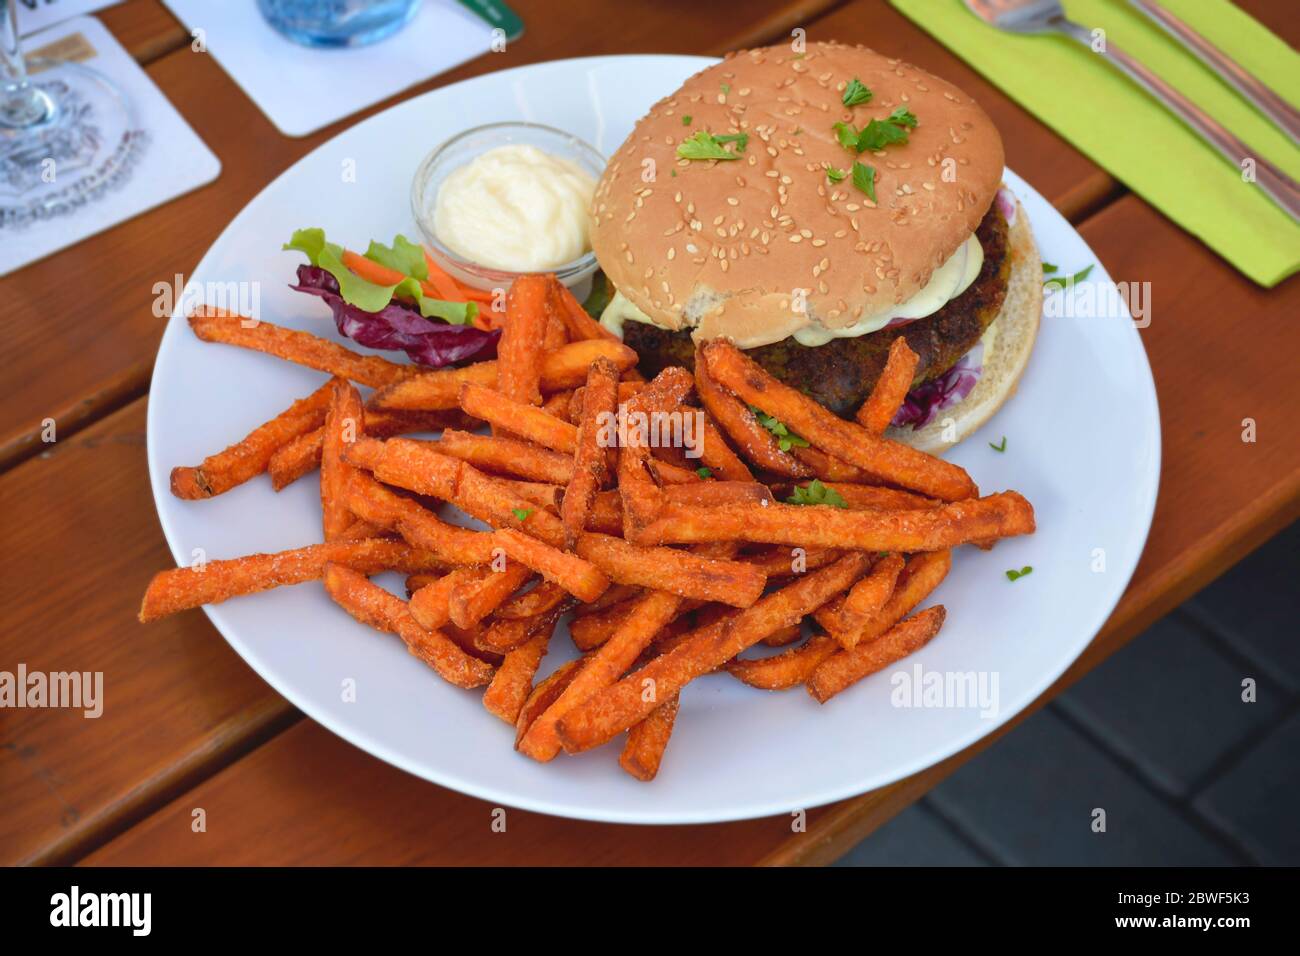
(724, 245)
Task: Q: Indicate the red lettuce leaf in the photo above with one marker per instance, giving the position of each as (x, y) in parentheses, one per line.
(398, 326)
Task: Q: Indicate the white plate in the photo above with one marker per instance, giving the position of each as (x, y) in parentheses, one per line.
(1083, 444)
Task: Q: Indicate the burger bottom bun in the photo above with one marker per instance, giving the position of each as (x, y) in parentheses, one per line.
(1015, 330)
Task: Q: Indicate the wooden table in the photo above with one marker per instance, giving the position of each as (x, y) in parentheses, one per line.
(187, 725)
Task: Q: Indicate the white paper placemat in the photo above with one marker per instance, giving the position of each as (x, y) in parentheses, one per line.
(172, 162)
(34, 15)
(301, 89)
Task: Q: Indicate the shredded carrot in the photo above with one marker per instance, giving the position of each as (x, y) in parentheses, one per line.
(444, 284)
(440, 286)
(370, 270)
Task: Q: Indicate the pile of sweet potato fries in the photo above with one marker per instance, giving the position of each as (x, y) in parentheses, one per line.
(672, 566)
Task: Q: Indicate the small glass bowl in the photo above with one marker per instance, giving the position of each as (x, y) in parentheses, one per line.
(464, 148)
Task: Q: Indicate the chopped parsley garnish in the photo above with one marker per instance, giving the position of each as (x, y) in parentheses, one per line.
(835, 175)
(855, 93)
(705, 146)
(1002, 447)
(1013, 573)
(725, 87)
(847, 134)
(1061, 282)
(686, 120)
(878, 135)
(815, 493)
(1049, 268)
(704, 472)
(521, 513)
(740, 139)
(902, 117)
(864, 178)
(785, 439)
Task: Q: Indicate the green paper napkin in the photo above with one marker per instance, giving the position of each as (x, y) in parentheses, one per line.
(1123, 130)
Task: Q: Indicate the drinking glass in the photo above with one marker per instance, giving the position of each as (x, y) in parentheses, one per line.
(66, 133)
(338, 22)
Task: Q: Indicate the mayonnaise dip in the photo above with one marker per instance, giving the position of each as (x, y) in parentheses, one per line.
(515, 208)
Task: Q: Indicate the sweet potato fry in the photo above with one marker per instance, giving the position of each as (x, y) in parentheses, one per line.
(371, 604)
(590, 461)
(215, 581)
(296, 458)
(785, 670)
(249, 457)
(640, 500)
(557, 405)
(371, 501)
(919, 577)
(506, 456)
(419, 466)
(506, 695)
(890, 389)
(818, 464)
(416, 581)
(617, 708)
(999, 515)
(519, 353)
(782, 562)
(518, 418)
(707, 494)
(301, 348)
(566, 367)
(344, 422)
(733, 416)
(785, 636)
(544, 694)
(606, 515)
(579, 577)
(646, 741)
(539, 600)
(431, 604)
(592, 630)
(575, 318)
(644, 620)
(717, 456)
(845, 668)
(869, 497)
(541, 494)
(669, 569)
(471, 600)
(893, 462)
(866, 598)
(408, 463)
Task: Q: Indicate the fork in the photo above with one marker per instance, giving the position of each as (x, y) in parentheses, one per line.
(1047, 16)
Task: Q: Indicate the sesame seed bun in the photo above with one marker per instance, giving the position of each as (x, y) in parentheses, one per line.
(723, 245)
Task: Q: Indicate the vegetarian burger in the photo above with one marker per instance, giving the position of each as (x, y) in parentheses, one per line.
(812, 207)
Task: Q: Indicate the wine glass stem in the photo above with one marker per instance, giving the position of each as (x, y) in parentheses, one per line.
(21, 104)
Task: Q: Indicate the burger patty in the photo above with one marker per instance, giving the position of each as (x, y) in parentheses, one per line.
(841, 373)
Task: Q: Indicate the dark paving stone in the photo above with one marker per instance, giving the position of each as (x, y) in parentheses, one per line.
(1029, 800)
(1170, 703)
(916, 837)
(1256, 604)
(1255, 801)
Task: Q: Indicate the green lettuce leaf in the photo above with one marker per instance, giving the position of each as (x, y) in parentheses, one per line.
(403, 256)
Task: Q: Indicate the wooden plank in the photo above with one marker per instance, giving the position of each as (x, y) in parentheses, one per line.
(145, 27)
(297, 801)
(1214, 343)
(1219, 498)
(77, 378)
(1073, 183)
(80, 543)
